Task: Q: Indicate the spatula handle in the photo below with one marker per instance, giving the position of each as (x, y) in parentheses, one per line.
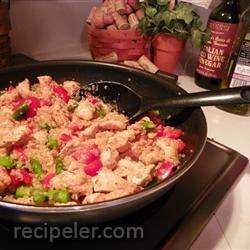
(237, 95)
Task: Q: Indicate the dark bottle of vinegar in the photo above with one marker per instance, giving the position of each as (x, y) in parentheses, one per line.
(223, 23)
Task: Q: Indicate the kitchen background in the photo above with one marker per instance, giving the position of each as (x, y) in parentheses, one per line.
(54, 29)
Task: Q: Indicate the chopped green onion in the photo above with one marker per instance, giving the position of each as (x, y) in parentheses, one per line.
(51, 194)
(148, 125)
(59, 165)
(101, 112)
(45, 126)
(39, 196)
(20, 112)
(61, 196)
(72, 107)
(156, 112)
(23, 191)
(7, 162)
(52, 143)
(36, 167)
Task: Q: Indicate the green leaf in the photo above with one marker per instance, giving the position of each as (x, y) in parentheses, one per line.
(162, 2)
(197, 23)
(151, 11)
(183, 22)
(168, 16)
(199, 37)
(184, 13)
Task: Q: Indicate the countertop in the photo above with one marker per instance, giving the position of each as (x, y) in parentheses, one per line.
(229, 227)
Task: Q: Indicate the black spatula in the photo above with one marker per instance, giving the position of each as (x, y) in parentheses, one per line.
(135, 105)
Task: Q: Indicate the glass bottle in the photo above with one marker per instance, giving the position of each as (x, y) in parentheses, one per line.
(223, 23)
(237, 72)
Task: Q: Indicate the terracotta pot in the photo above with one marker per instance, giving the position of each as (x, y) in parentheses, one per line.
(167, 51)
(128, 44)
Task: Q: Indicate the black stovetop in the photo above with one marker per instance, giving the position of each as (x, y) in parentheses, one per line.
(172, 222)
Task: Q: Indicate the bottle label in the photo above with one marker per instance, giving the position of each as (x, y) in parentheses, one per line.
(215, 52)
(241, 75)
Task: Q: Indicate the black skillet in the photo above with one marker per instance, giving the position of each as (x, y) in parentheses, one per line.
(192, 121)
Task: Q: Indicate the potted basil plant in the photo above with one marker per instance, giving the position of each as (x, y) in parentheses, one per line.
(170, 26)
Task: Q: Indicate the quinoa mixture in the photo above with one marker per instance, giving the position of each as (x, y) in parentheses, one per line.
(56, 149)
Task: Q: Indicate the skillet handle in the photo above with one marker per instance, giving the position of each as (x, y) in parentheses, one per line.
(239, 95)
(167, 76)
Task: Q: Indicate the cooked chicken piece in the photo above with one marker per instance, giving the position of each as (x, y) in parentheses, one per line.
(136, 172)
(71, 86)
(40, 137)
(5, 180)
(23, 88)
(112, 125)
(107, 181)
(99, 197)
(120, 142)
(44, 116)
(138, 147)
(44, 88)
(90, 131)
(24, 200)
(59, 114)
(137, 128)
(70, 146)
(55, 115)
(5, 113)
(80, 190)
(44, 80)
(118, 194)
(113, 121)
(109, 158)
(9, 97)
(152, 155)
(101, 139)
(3, 151)
(42, 153)
(170, 149)
(72, 165)
(85, 110)
(75, 182)
(93, 198)
(13, 135)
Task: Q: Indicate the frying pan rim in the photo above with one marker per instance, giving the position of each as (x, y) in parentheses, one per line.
(118, 201)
